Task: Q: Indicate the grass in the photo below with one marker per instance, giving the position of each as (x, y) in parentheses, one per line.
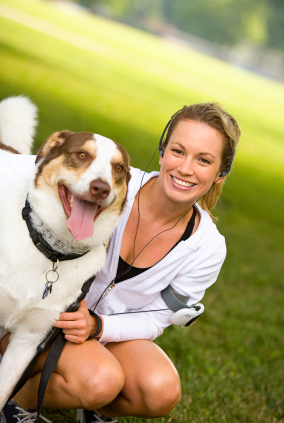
(87, 73)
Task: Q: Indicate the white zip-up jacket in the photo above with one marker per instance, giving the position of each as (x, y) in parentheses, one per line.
(191, 267)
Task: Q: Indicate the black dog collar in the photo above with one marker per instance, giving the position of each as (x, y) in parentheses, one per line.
(41, 244)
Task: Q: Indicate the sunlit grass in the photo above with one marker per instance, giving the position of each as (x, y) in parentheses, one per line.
(125, 84)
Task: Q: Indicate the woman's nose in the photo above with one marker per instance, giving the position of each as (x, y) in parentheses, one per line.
(186, 167)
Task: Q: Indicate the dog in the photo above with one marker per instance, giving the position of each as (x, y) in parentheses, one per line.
(75, 197)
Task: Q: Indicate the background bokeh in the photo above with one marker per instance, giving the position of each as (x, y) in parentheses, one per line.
(87, 72)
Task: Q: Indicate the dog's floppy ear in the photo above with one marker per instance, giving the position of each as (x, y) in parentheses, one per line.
(128, 175)
(52, 143)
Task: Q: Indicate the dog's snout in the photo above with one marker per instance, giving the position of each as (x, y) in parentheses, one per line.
(99, 189)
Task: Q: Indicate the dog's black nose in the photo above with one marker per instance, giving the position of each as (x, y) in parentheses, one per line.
(99, 189)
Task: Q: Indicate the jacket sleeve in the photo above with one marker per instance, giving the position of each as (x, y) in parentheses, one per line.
(137, 324)
(149, 325)
(13, 165)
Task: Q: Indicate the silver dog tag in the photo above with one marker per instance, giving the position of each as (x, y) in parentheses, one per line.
(51, 274)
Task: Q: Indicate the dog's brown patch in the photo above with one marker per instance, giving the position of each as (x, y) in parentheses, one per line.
(66, 144)
(81, 155)
(126, 174)
(6, 148)
(120, 175)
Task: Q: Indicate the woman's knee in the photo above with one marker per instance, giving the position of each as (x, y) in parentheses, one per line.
(101, 387)
(161, 393)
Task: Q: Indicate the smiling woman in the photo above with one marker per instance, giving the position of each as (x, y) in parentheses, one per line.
(207, 125)
(166, 237)
(191, 162)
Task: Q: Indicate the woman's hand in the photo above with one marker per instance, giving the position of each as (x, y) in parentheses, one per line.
(77, 326)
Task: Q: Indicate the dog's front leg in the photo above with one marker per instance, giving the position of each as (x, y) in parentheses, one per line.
(17, 357)
(22, 348)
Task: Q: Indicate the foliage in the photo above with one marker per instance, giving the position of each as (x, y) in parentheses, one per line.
(226, 22)
(221, 21)
(275, 24)
(87, 73)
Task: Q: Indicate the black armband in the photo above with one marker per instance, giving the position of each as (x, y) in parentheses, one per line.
(100, 325)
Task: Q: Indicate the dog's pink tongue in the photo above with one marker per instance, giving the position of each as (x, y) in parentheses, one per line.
(81, 221)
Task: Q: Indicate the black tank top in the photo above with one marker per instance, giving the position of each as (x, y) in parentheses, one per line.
(125, 271)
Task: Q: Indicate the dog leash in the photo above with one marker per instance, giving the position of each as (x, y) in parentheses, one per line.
(56, 335)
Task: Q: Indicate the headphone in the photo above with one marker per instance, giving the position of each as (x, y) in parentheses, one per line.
(161, 152)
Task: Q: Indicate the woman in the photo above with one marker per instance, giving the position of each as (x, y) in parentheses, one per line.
(164, 238)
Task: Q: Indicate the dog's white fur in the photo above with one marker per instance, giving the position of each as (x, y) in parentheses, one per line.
(23, 312)
(17, 123)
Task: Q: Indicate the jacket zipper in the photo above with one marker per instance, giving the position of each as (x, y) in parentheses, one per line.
(108, 289)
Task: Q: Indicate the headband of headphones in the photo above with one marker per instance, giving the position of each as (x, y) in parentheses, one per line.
(161, 152)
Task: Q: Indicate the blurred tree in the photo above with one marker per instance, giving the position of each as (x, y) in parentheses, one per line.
(275, 24)
(222, 21)
(137, 12)
(89, 3)
(255, 25)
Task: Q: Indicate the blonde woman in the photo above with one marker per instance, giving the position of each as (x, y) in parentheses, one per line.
(167, 236)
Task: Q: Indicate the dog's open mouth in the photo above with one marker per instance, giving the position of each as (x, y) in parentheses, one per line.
(80, 214)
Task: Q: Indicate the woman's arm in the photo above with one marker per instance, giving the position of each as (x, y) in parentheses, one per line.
(193, 283)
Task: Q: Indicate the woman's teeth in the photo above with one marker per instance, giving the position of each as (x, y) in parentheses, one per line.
(182, 183)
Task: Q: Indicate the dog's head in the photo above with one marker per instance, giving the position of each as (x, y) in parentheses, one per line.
(87, 174)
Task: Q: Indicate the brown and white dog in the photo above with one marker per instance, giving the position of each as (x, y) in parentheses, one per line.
(76, 193)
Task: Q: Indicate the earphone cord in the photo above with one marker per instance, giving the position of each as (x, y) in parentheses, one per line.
(138, 202)
(131, 265)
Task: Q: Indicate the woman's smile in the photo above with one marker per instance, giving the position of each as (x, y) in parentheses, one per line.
(180, 183)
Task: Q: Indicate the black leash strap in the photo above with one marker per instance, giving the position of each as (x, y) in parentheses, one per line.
(48, 368)
(25, 376)
(56, 349)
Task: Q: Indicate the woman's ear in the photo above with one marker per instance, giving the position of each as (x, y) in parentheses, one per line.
(220, 179)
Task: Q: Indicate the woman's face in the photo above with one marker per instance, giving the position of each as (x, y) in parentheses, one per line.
(191, 161)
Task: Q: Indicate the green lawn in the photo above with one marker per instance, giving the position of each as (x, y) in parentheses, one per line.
(89, 74)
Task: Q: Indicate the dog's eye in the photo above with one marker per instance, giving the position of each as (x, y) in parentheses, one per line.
(82, 155)
(119, 168)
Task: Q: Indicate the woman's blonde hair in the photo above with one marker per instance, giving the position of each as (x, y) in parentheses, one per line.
(213, 115)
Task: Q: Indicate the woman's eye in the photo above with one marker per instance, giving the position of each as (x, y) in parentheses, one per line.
(176, 151)
(82, 155)
(205, 161)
